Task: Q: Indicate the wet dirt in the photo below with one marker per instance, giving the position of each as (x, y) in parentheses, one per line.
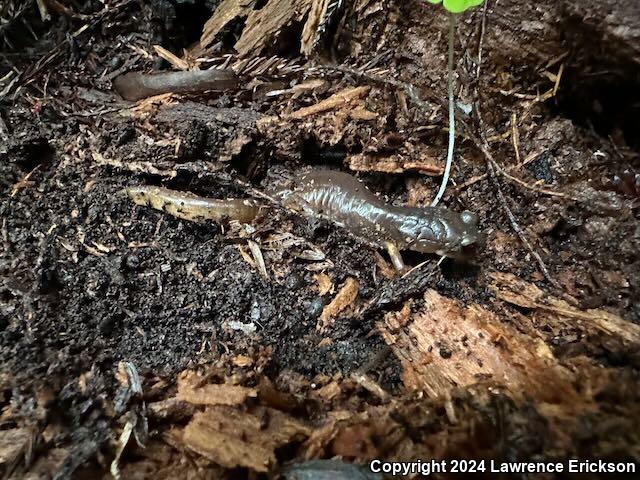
(87, 279)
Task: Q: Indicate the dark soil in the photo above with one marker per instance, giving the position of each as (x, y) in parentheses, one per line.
(87, 279)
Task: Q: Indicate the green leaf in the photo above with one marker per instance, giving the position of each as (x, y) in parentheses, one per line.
(458, 6)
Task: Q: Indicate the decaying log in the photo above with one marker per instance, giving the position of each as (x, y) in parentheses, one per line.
(444, 345)
(529, 35)
(262, 26)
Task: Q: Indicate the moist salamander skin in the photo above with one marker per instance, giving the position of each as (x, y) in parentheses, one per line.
(191, 207)
(136, 85)
(345, 201)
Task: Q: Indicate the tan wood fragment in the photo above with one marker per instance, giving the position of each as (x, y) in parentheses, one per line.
(363, 162)
(233, 438)
(345, 297)
(325, 285)
(193, 389)
(173, 59)
(334, 102)
(518, 292)
(444, 345)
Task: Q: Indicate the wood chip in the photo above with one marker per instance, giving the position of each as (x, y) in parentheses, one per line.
(258, 258)
(329, 391)
(325, 285)
(334, 102)
(445, 346)
(344, 298)
(171, 58)
(243, 361)
(13, 444)
(191, 390)
(233, 438)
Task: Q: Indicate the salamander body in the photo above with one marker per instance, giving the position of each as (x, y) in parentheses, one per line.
(339, 198)
(342, 199)
(191, 207)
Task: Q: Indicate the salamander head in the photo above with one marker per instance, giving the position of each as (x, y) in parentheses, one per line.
(471, 234)
(447, 233)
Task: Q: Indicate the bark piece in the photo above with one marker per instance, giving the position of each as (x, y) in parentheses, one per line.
(192, 389)
(233, 438)
(518, 292)
(345, 297)
(337, 101)
(325, 285)
(444, 345)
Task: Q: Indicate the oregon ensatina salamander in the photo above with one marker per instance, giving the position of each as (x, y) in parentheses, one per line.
(192, 207)
(342, 199)
(136, 85)
(345, 201)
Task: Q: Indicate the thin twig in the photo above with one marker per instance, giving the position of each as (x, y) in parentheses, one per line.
(492, 166)
(481, 41)
(481, 142)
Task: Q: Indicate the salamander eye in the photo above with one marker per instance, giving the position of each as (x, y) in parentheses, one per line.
(469, 218)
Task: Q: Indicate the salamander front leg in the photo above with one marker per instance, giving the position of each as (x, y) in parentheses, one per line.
(396, 257)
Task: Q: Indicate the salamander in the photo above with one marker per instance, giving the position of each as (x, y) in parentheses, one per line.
(192, 207)
(343, 200)
(136, 85)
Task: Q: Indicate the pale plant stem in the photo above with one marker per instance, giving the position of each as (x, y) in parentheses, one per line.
(452, 116)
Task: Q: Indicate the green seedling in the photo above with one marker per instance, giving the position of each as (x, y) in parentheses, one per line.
(454, 7)
(458, 6)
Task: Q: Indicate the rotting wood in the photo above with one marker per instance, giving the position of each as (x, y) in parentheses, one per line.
(484, 416)
(172, 58)
(227, 11)
(316, 13)
(444, 345)
(233, 438)
(519, 292)
(363, 162)
(336, 101)
(261, 26)
(14, 444)
(325, 285)
(144, 167)
(195, 390)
